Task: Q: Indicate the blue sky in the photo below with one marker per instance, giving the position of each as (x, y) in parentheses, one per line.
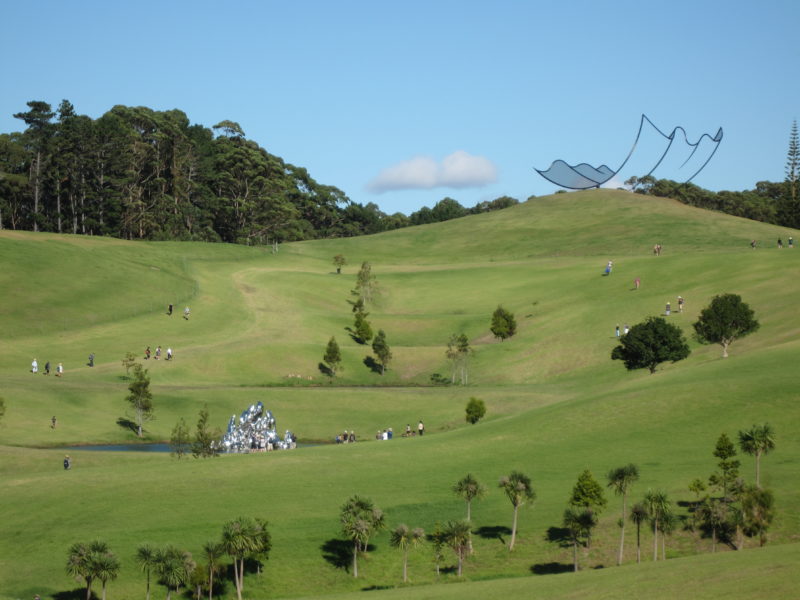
(405, 103)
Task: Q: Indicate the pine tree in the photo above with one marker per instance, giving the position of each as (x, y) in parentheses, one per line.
(793, 163)
(382, 350)
(789, 207)
(140, 397)
(332, 357)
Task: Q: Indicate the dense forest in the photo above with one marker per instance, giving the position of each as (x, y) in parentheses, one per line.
(136, 173)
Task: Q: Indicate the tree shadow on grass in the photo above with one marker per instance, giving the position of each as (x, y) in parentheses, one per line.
(376, 587)
(373, 365)
(551, 568)
(493, 532)
(325, 369)
(76, 594)
(559, 535)
(338, 553)
(126, 423)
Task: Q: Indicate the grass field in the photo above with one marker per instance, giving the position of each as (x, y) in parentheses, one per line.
(556, 402)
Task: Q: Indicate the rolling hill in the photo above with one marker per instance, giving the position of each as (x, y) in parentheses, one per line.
(556, 402)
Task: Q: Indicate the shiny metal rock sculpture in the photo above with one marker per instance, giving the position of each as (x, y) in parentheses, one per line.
(254, 431)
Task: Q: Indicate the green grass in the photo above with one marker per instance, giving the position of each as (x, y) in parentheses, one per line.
(556, 402)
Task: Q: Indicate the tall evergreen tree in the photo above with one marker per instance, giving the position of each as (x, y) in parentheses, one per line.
(332, 357)
(790, 207)
(728, 472)
(381, 349)
(140, 397)
(37, 137)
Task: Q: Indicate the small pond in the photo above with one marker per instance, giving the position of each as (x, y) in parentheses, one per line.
(137, 447)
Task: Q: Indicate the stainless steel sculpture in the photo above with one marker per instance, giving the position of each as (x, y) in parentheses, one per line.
(584, 176)
(255, 431)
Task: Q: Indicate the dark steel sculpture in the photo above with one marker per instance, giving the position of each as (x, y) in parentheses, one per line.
(584, 176)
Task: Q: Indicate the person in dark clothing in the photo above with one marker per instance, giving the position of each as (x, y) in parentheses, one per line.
(91, 359)
(169, 310)
(47, 368)
(67, 463)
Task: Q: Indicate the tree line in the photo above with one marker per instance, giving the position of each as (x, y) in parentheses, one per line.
(771, 202)
(137, 173)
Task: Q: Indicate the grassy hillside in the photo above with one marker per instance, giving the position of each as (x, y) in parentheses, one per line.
(556, 402)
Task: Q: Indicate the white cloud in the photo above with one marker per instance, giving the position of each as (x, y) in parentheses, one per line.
(457, 170)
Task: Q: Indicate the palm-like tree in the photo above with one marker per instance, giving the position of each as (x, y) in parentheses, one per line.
(240, 540)
(620, 480)
(638, 516)
(657, 505)
(360, 518)
(107, 569)
(174, 566)
(357, 507)
(579, 522)
(457, 535)
(213, 552)
(85, 561)
(517, 487)
(357, 529)
(758, 440)
(146, 557)
(669, 523)
(469, 489)
(405, 538)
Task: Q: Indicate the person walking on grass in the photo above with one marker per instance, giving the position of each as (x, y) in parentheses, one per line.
(420, 428)
(59, 370)
(169, 353)
(668, 309)
(46, 368)
(616, 330)
(186, 313)
(158, 352)
(681, 302)
(169, 310)
(34, 366)
(636, 283)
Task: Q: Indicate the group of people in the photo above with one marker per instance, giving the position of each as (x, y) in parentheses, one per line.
(382, 434)
(681, 304)
(186, 311)
(346, 438)
(46, 371)
(157, 356)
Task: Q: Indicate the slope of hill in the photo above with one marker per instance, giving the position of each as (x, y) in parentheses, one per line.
(557, 403)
